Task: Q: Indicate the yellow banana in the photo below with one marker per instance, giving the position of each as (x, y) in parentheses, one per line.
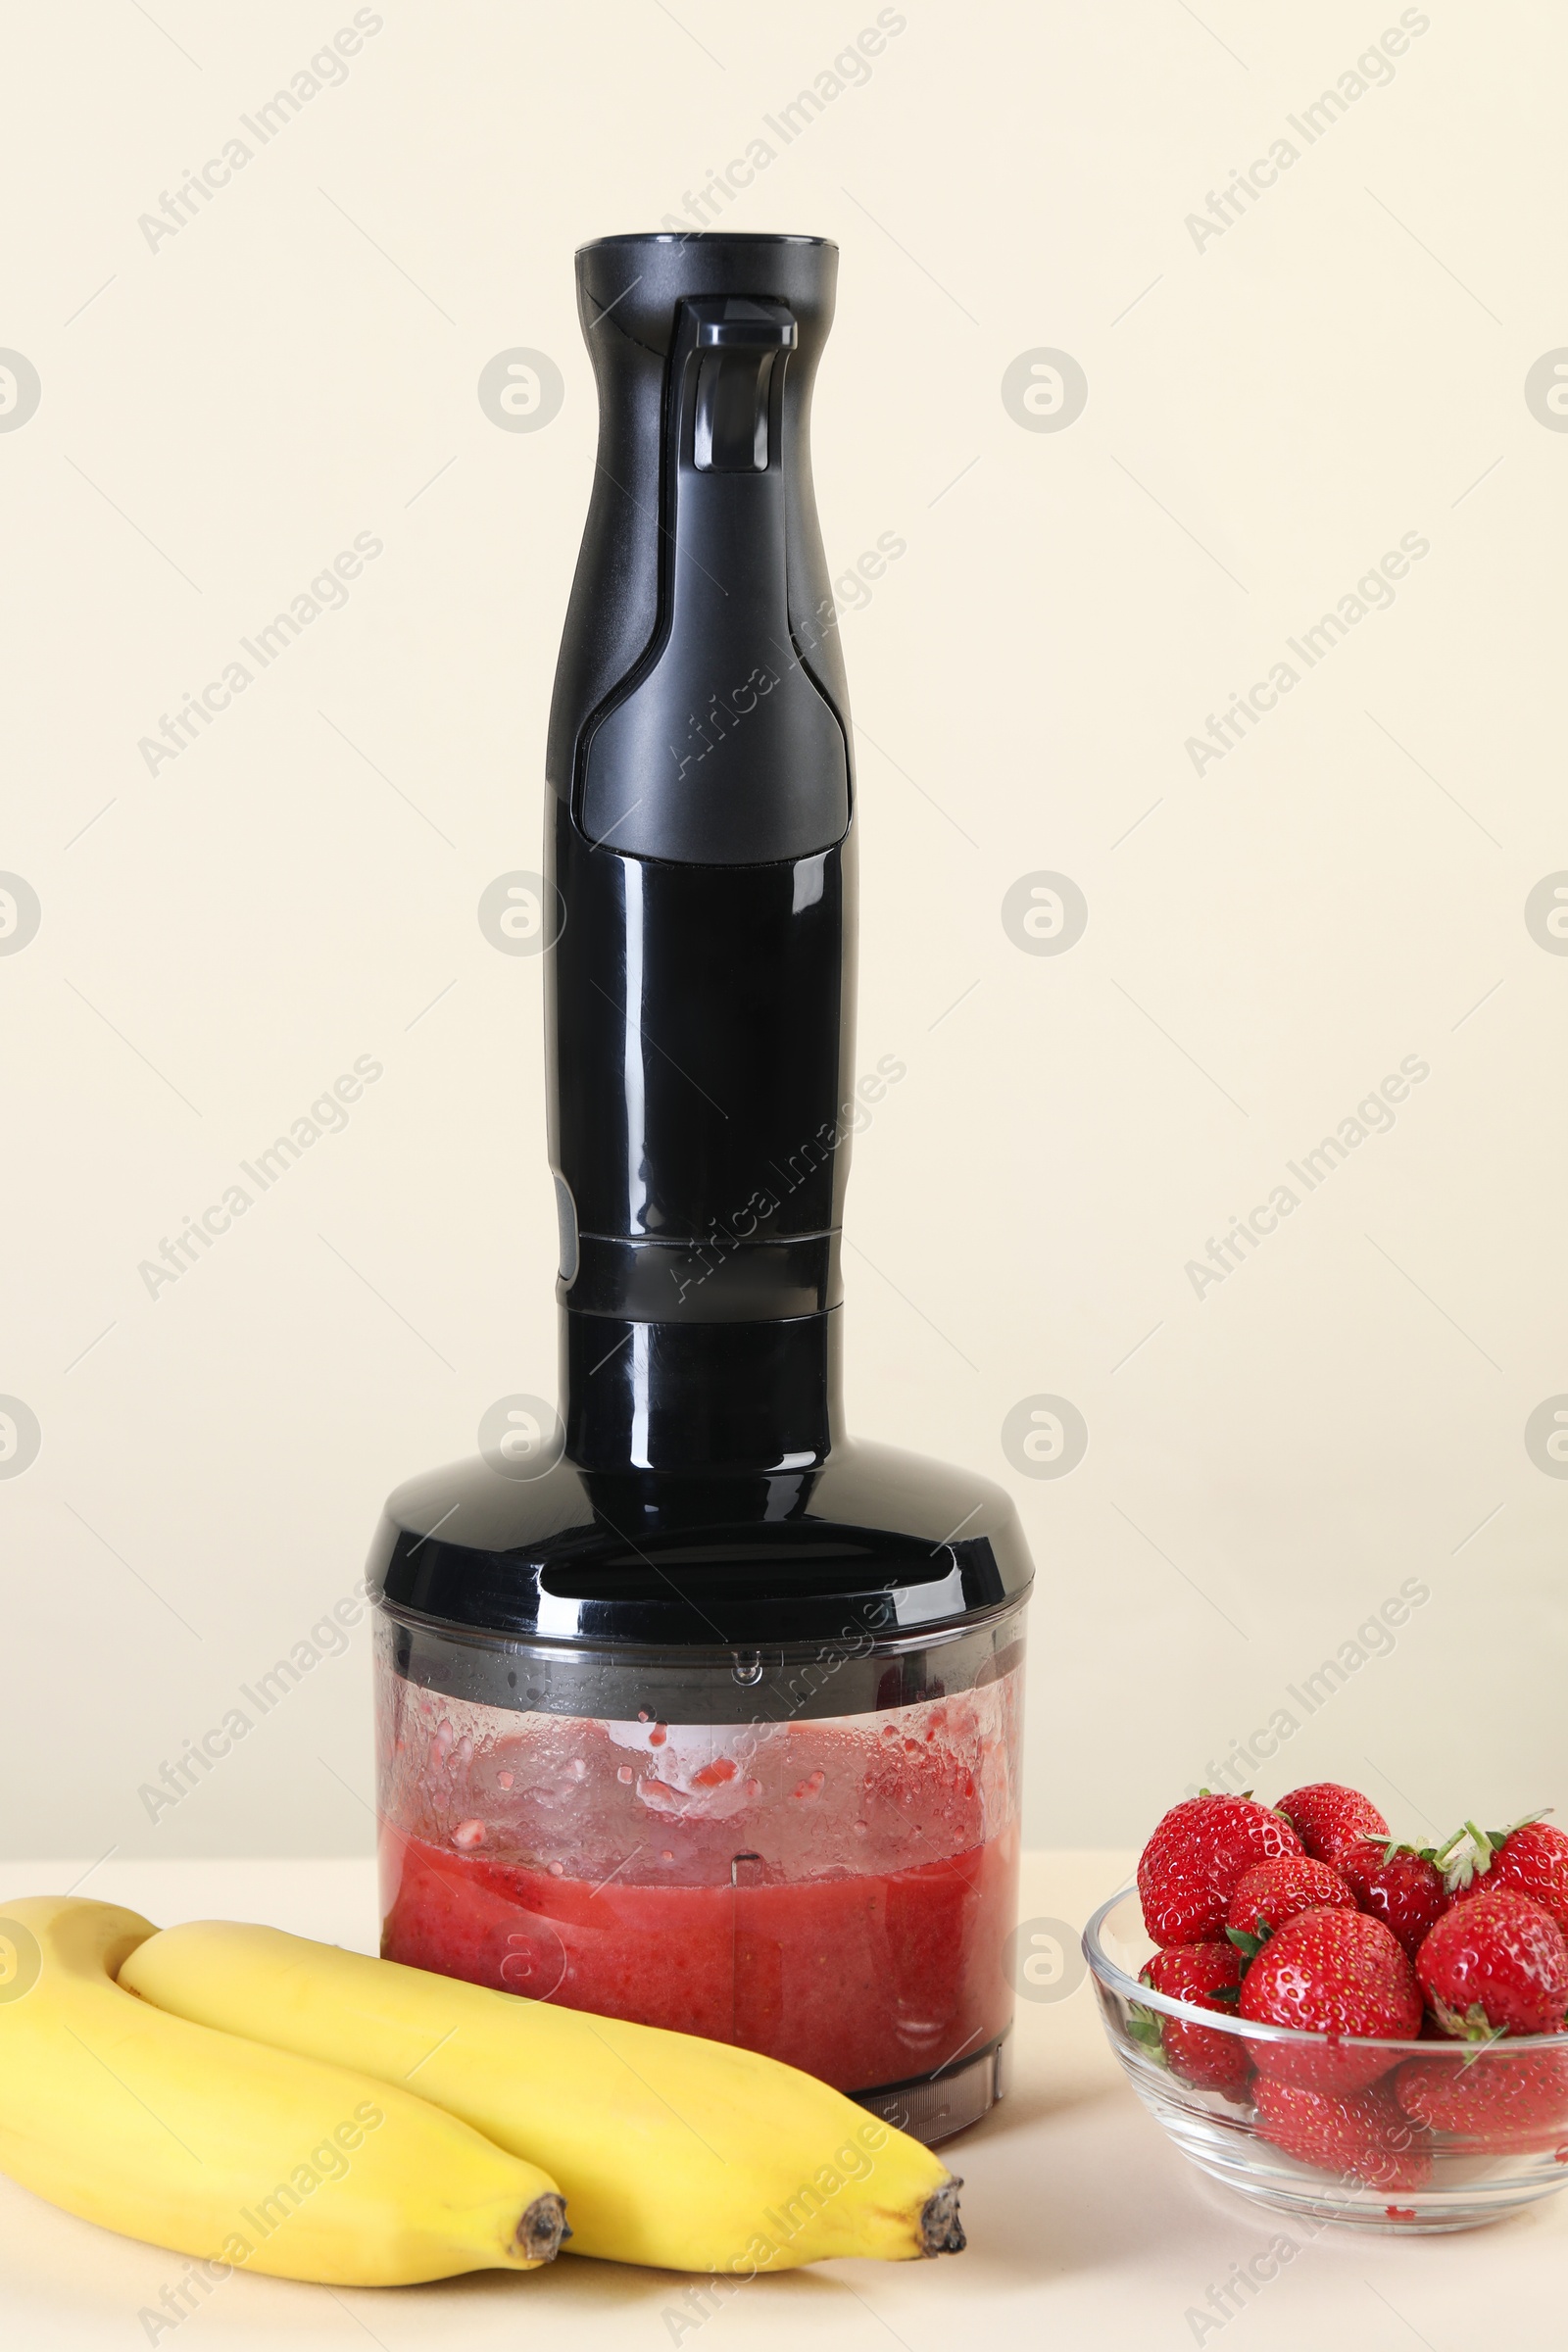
(686, 2154)
(242, 2156)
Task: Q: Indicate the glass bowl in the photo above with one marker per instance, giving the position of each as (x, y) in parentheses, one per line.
(1407, 2136)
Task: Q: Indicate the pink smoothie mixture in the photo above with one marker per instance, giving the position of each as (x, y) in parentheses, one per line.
(837, 1894)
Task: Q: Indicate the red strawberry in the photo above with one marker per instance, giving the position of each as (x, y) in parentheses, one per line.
(1496, 1964)
(1328, 1816)
(1272, 1892)
(1532, 1859)
(1403, 1889)
(1366, 2138)
(1189, 1869)
(1209, 1976)
(1333, 1973)
(1499, 2100)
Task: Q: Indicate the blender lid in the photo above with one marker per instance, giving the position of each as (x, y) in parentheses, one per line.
(874, 1539)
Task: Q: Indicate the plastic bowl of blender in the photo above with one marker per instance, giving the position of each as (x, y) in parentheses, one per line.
(835, 1889)
(1229, 2094)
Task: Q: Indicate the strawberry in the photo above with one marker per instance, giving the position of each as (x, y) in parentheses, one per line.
(1494, 1963)
(1333, 1973)
(1367, 2139)
(1397, 1885)
(1272, 1892)
(1531, 1858)
(1209, 1976)
(1499, 2100)
(1328, 1816)
(1187, 1871)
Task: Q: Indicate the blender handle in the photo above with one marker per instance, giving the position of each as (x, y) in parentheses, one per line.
(701, 713)
(720, 747)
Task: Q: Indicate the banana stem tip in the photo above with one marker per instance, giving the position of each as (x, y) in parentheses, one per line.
(543, 2231)
(941, 2230)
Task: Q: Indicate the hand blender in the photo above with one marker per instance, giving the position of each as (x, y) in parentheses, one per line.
(708, 1715)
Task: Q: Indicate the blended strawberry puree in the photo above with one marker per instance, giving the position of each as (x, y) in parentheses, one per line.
(836, 1894)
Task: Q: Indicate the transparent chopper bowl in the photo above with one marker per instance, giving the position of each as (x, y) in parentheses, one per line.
(835, 1891)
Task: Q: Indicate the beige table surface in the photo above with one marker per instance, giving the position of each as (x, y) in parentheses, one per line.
(1087, 2231)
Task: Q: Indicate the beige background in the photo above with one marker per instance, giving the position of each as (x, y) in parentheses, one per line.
(1267, 414)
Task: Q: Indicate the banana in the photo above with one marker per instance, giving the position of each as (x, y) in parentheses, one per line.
(674, 2151)
(242, 2156)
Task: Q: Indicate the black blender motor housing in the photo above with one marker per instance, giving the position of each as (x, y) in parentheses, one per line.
(708, 1510)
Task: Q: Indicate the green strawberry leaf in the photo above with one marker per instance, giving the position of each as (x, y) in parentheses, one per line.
(1249, 1945)
(1522, 1823)
(1144, 2027)
(1470, 2024)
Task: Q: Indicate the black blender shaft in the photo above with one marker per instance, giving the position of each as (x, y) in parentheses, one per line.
(702, 1018)
(701, 994)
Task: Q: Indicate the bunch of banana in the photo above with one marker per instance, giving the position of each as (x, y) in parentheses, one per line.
(240, 2155)
(672, 2150)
